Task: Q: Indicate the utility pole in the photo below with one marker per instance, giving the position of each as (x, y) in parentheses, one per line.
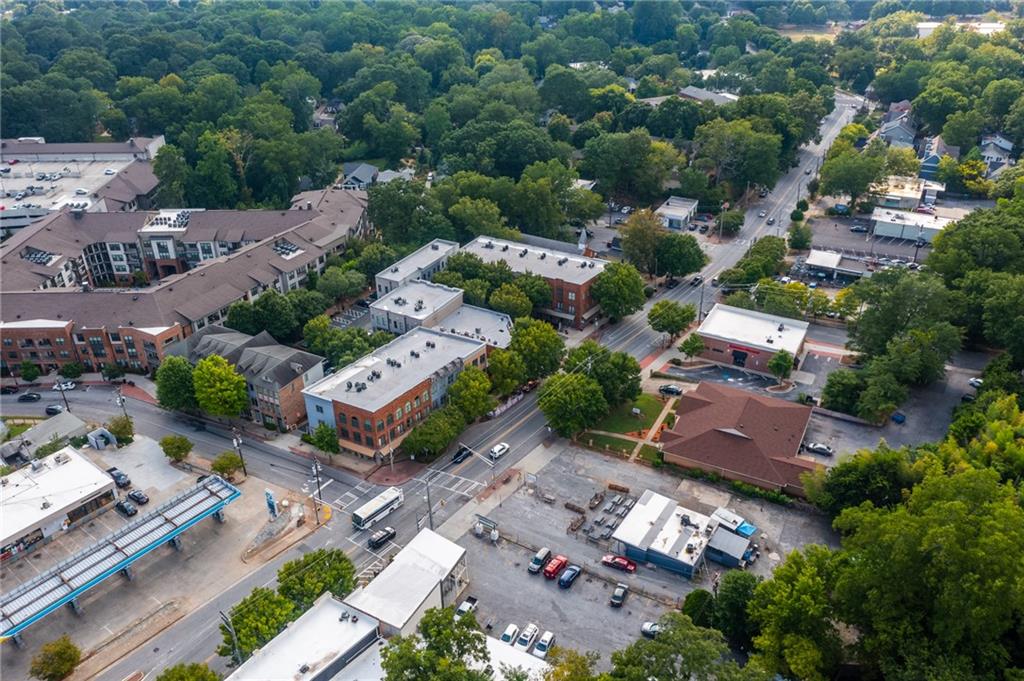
(700, 310)
(120, 400)
(319, 492)
(430, 506)
(236, 440)
(63, 394)
(234, 638)
(391, 459)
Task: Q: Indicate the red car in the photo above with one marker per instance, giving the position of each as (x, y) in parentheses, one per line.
(619, 563)
(556, 565)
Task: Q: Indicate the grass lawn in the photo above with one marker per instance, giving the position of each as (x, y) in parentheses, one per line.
(621, 419)
(614, 443)
(17, 429)
(649, 453)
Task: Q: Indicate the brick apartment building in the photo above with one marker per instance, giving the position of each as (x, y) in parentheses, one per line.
(375, 401)
(570, 276)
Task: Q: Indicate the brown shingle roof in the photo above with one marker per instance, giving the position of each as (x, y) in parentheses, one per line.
(736, 431)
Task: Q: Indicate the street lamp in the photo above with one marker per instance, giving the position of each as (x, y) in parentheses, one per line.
(319, 492)
(236, 440)
(120, 401)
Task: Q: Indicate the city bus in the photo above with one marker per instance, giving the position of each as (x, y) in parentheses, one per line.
(378, 507)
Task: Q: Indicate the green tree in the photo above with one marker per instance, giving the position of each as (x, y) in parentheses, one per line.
(799, 236)
(174, 175)
(305, 579)
(219, 389)
(29, 371)
(738, 153)
(325, 439)
(692, 346)
(433, 435)
(508, 298)
(306, 304)
(619, 290)
(174, 387)
(470, 393)
(111, 371)
(881, 476)
(732, 618)
(336, 283)
(570, 665)
(850, 173)
(506, 369)
(375, 258)
(55, 660)
(257, 619)
(194, 671)
(731, 222)
(226, 463)
(699, 606)
(618, 373)
(176, 447)
(901, 161)
(895, 302)
(71, 370)
(539, 346)
(444, 647)
(274, 314)
(242, 318)
(842, 391)
(122, 428)
(679, 255)
(536, 289)
(572, 403)
(641, 238)
(781, 365)
(668, 316)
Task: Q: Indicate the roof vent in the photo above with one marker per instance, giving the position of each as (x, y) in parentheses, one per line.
(770, 341)
(782, 328)
(433, 247)
(303, 669)
(504, 248)
(543, 255)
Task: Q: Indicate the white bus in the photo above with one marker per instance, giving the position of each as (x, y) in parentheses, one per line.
(378, 507)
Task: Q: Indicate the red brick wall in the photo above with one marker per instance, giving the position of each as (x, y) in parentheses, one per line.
(721, 351)
(293, 407)
(343, 414)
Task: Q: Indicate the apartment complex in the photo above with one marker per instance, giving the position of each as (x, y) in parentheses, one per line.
(570, 276)
(375, 401)
(422, 263)
(275, 374)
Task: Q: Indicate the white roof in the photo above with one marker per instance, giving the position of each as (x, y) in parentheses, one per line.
(677, 207)
(727, 518)
(548, 263)
(906, 187)
(909, 218)
(319, 637)
(418, 299)
(748, 327)
(58, 485)
(493, 328)
(580, 183)
(448, 350)
(420, 259)
(35, 324)
(394, 596)
(655, 523)
(823, 259)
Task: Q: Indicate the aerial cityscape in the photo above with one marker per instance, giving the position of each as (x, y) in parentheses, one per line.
(531, 340)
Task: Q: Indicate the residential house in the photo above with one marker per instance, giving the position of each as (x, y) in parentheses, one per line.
(899, 131)
(699, 94)
(932, 151)
(359, 176)
(996, 152)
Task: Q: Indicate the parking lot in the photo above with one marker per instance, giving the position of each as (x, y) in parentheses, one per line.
(833, 234)
(580, 617)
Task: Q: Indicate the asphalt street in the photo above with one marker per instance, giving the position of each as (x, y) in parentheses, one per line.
(523, 427)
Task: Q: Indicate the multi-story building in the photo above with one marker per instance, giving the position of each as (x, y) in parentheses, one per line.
(375, 401)
(418, 303)
(275, 374)
(570, 276)
(422, 263)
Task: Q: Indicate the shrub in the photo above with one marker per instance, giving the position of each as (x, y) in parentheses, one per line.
(55, 660)
(648, 291)
(54, 445)
(797, 215)
(269, 425)
(802, 205)
(226, 463)
(176, 447)
(766, 494)
(675, 361)
(78, 441)
(122, 428)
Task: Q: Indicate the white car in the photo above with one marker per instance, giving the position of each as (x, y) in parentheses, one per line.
(762, 213)
(81, 192)
(526, 638)
(819, 448)
(975, 382)
(544, 645)
(499, 450)
(510, 635)
(108, 171)
(64, 385)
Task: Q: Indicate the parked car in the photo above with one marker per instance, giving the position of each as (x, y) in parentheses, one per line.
(139, 497)
(554, 566)
(671, 283)
(968, 397)
(527, 637)
(975, 382)
(108, 171)
(30, 397)
(461, 454)
(670, 389)
(529, 385)
(467, 606)
(120, 478)
(499, 450)
(61, 386)
(381, 537)
(126, 507)
(81, 191)
(569, 576)
(819, 448)
(542, 558)
(762, 214)
(619, 595)
(808, 171)
(859, 229)
(544, 644)
(362, 302)
(54, 409)
(510, 634)
(650, 629)
(692, 227)
(703, 229)
(697, 280)
(619, 563)
(8, 390)
(899, 418)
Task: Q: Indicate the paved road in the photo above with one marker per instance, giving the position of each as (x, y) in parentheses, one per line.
(523, 427)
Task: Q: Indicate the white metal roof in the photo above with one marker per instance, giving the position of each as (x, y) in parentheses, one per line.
(49, 486)
(677, 207)
(320, 636)
(35, 324)
(655, 523)
(908, 218)
(548, 263)
(418, 299)
(825, 259)
(749, 327)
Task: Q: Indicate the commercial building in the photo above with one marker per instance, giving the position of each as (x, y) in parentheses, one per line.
(699, 94)
(835, 265)
(493, 328)
(740, 435)
(906, 193)
(905, 224)
(422, 263)
(747, 338)
(417, 303)
(375, 401)
(677, 212)
(48, 496)
(569, 276)
(275, 374)
(659, 531)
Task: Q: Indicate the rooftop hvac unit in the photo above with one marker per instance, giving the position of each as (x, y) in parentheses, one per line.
(504, 248)
(562, 261)
(770, 340)
(522, 253)
(433, 247)
(543, 255)
(489, 244)
(591, 264)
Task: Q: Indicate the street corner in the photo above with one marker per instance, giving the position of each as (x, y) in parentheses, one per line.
(294, 518)
(398, 474)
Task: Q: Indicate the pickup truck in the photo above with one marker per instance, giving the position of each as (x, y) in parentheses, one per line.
(468, 605)
(120, 478)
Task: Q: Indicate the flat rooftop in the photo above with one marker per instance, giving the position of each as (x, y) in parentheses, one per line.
(906, 217)
(397, 371)
(418, 299)
(322, 635)
(677, 207)
(493, 328)
(548, 263)
(655, 523)
(32, 494)
(91, 176)
(756, 329)
(414, 263)
(906, 187)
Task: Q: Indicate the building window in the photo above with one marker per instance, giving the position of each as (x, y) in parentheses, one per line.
(320, 410)
(408, 408)
(355, 422)
(416, 402)
(572, 295)
(357, 437)
(116, 337)
(8, 342)
(572, 309)
(368, 425)
(391, 419)
(344, 433)
(392, 435)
